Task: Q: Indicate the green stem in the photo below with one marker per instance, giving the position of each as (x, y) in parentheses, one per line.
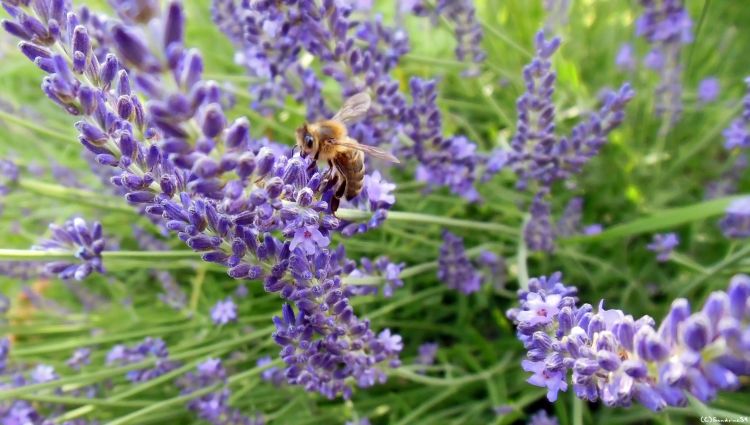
(410, 217)
(135, 416)
(32, 255)
(13, 119)
(713, 270)
(660, 220)
(80, 196)
(521, 256)
(452, 382)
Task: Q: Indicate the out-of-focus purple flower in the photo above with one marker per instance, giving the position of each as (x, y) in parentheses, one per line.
(727, 183)
(708, 89)
(214, 406)
(383, 267)
(273, 374)
(361, 421)
(4, 351)
(172, 294)
(494, 268)
(618, 359)
(557, 14)
(593, 229)
(241, 291)
(461, 14)
(538, 232)
(737, 135)
(542, 418)
(80, 357)
(625, 58)
(149, 348)
(9, 173)
(87, 243)
(455, 268)
(224, 311)
(663, 244)
(667, 26)
(570, 222)
(43, 373)
(426, 353)
(736, 221)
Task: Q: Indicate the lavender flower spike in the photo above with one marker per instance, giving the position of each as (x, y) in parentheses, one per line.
(737, 135)
(618, 359)
(663, 245)
(455, 268)
(736, 221)
(667, 26)
(86, 242)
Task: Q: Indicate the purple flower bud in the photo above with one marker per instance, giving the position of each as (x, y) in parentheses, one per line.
(213, 120)
(739, 293)
(695, 333)
(174, 25)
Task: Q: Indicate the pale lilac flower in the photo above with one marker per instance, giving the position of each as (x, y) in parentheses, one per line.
(625, 59)
(663, 245)
(542, 418)
(308, 239)
(708, 89)
(224, 311)
(543, 377)
(736, 221)
(43, 373)
(427, 353)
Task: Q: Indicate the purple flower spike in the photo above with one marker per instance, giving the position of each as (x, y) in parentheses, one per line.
(617, 359)
(663, 245)
(455, 269)
(667, 26)
(708, 90)
(736, 222)
(224, 311)
(87, 243)
(737, 135)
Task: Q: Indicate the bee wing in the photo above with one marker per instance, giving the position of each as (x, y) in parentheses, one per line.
(370, 150)
(353, 109)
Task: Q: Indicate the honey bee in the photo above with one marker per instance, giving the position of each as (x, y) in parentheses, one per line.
(328, 140)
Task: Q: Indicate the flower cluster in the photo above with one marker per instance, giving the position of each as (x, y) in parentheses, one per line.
(736, 221)
(75, 236)
(737, 135)
(203, 177)
(224, 311)
(618, 359)
(467, 29)
(663, 244)
(383, 267)
(149, 348)
(213, 407)
(708, 90)
(454, 266)
(537, 154)
(667, 26)
(358, 54)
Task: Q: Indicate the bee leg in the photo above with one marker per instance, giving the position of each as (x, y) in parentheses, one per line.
(336, 199)
(335, 205)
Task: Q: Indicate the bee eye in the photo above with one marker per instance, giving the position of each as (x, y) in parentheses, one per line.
(308, 141)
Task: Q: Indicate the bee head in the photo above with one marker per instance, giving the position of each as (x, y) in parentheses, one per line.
(306, 141)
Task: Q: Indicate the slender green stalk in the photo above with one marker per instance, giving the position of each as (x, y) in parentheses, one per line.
(72, 194)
